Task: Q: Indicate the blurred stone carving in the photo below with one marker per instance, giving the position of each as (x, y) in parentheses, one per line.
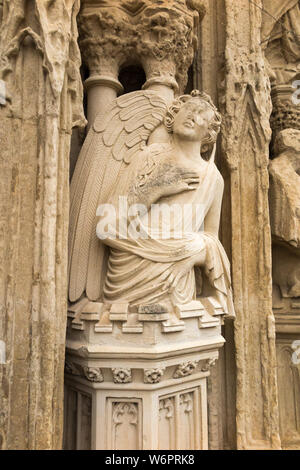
(285, 212)
(285, 187)
(93, 374)
(40, 102)
(281, 35)
(183, 370)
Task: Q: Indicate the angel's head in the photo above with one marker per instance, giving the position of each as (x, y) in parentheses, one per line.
(194, 117)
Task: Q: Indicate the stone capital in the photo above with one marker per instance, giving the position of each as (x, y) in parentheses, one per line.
(161, 36)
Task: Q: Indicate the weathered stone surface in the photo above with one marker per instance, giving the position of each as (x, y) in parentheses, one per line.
(285, 188)
(281, 44)
(159, 35)
(246, 56)
(39, 63)
(246, 135)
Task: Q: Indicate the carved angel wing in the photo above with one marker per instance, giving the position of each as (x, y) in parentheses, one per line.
(114, 140)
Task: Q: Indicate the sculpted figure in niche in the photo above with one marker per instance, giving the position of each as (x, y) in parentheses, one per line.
(281, 37)
(285, 212)
(158, 203)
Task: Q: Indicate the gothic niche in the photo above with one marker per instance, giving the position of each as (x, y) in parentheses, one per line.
(145, 260)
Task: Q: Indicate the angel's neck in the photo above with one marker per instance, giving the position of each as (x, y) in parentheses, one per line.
(186, 149)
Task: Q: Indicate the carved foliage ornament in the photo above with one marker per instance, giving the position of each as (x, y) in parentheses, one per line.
(93, 374)
(208, 364)
(139, 30)
(153, 376)
(120, 138)
(185, 369)
(121, 376)
(285, 115)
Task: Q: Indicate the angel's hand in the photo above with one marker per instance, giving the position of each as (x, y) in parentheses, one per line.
(174, 180)
(187, 181)
(166, 180)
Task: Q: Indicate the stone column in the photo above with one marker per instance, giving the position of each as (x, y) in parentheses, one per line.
(101, 90)
(282, 54)
(246, 136)
(102, 85)
(39, 66)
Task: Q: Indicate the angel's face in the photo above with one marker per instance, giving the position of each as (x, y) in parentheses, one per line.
(192, 120)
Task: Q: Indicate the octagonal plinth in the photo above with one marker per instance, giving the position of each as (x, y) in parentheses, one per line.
(138, 380)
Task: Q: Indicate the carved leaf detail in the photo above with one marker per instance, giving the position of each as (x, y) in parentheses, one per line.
(153, 376)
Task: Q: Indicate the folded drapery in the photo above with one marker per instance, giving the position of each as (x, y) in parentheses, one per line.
(139, 268)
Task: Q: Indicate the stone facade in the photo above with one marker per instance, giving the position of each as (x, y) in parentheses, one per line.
(185, 375)
(39, 66)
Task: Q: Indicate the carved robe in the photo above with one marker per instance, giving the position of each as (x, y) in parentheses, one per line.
(139, 268)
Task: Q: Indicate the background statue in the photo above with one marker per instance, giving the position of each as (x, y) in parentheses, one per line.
(284, 172)
(281, 38)
(149, 155)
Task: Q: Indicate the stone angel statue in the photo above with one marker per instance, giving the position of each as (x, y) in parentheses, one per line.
(146, 203)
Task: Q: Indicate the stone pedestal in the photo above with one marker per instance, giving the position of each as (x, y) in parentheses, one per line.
(137, 380)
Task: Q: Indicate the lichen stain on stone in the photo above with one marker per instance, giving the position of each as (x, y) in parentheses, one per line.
(14, 178)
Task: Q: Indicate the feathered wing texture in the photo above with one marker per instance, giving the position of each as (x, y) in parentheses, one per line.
(104, 161)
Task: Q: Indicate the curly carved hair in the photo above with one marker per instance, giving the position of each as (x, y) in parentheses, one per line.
(215, 124)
